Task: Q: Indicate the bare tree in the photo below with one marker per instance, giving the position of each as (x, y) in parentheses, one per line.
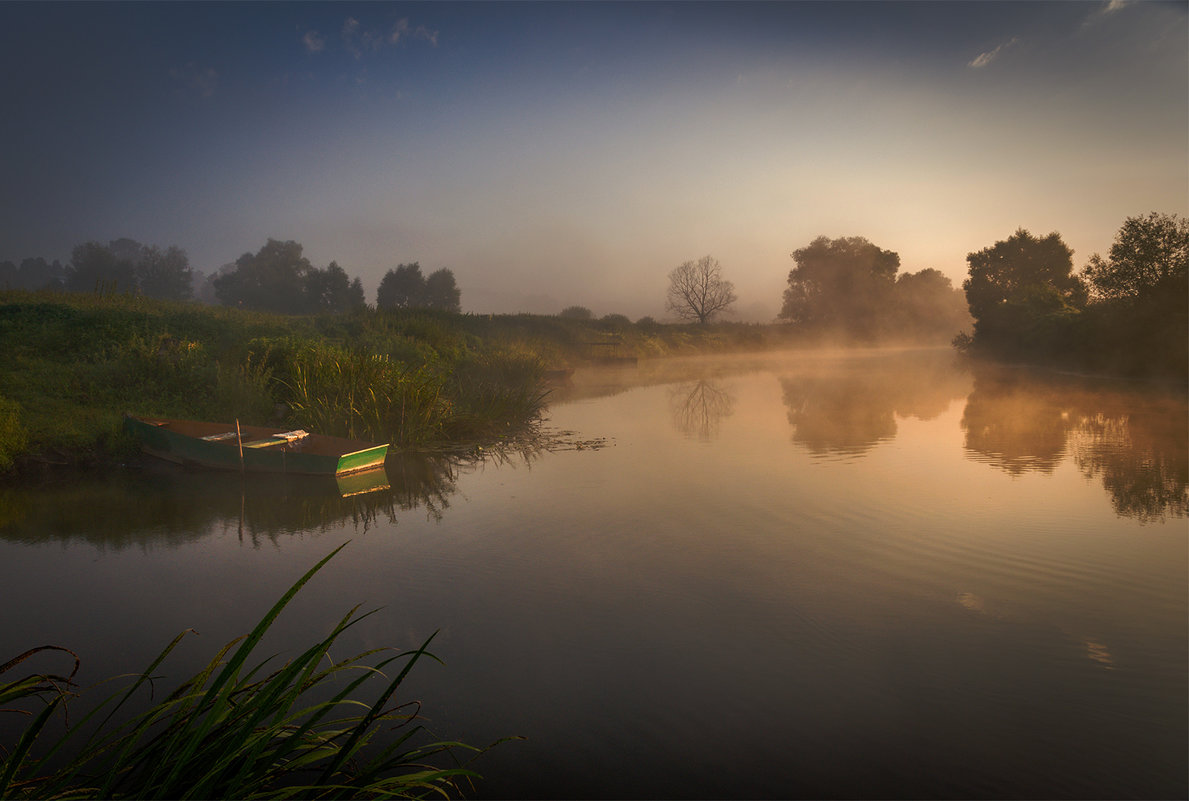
(697, 290)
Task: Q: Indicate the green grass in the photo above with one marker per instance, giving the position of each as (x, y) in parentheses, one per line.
(297, 730)
(71, 364)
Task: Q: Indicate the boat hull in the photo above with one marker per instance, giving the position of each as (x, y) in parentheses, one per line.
(264, 450)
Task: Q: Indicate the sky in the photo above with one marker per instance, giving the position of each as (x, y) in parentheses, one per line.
(573, 153)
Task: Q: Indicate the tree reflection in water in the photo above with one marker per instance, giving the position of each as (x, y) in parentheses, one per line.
(1135, 438)
(1015, 425)
(845, 409)
(699, 407)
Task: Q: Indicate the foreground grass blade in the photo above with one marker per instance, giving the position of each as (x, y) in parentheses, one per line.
(234, 731)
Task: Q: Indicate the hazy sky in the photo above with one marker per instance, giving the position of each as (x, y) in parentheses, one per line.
(573, 153)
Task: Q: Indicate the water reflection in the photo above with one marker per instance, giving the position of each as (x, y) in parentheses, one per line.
(1015, 425)
(698, 408)
(164, 504)
(846, 408)
(1134, 438)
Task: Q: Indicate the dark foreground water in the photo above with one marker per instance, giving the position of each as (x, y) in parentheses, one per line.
(867, 575)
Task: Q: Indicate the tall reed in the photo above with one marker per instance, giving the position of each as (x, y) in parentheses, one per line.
(236, 732)
(363, 395)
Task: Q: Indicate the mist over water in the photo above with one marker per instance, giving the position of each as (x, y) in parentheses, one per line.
(864, 574)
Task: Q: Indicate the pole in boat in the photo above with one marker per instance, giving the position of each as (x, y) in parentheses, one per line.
(240, 442)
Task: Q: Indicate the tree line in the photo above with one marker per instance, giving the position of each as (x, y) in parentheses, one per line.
(1126, 313)
(844, 290)
(276, 278)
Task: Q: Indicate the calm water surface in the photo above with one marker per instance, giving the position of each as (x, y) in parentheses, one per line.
(859, 575)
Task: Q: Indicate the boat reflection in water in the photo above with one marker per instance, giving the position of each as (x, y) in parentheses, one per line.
(151, 502)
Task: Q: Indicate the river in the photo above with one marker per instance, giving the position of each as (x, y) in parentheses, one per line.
(863, 574)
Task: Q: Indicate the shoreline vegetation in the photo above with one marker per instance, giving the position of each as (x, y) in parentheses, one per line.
(72, 364)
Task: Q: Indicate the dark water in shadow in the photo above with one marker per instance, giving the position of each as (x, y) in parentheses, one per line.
(869, 575)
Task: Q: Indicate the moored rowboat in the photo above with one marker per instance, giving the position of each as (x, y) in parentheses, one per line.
(255, 449)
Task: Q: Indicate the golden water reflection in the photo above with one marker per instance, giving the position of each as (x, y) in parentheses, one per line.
(1135, 439)
(846, 408)
(698, 408)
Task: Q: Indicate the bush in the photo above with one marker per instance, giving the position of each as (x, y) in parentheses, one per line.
(576, 313)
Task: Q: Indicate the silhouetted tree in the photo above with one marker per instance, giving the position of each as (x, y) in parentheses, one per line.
(928, 306)
(94, 266)
(441, 292)
(1137, 322)
(164, 274)
(272, 279)
(33, 273)
(331, 290)
(401, 288)
(1150, 255)
(356, 298)
(843, 285)
(1022, 294)
(576, 313)
(127, 265)
(697, 290)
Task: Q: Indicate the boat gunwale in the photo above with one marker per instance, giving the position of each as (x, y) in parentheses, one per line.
(323, 459)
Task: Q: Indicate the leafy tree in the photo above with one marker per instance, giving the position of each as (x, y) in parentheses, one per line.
(1150, 255)
(1017, 269)
(272, 279)
(126, 250)
(1138, 321)
(928, 306)
(401, 288)
(840, 284)
(331, 290)
(1022, 294)
(127, 265)
(697, 290)
(164, 274)
(33, 273)
(440, 292)
(94, 266)
(355, 297)
(576, 313)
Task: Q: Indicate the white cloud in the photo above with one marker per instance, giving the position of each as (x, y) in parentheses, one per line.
(203, 80)
(313, 41)
(1105, 10)
(984, 59)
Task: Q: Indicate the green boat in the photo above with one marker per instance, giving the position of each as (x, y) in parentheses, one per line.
(253, 449)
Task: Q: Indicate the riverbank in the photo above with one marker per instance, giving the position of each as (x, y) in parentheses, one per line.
(71, 365)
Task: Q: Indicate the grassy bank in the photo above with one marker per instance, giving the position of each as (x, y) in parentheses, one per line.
(72, 364)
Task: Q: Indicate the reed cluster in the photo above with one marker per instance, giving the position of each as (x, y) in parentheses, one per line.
(236, 731)
(362, 395)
